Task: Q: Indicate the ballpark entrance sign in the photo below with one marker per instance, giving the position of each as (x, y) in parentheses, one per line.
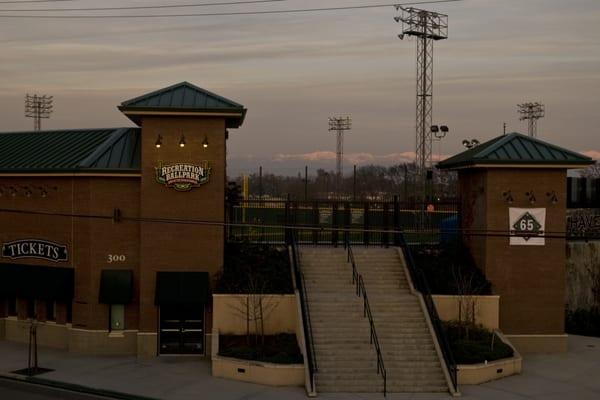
(527, 226)
(182, 176)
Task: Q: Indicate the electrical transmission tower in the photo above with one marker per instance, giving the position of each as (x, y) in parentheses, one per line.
(38, 107)
(339, 125)
(531, 112)
(426, 27)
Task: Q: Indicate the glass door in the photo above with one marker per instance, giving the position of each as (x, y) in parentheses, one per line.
(181, 329)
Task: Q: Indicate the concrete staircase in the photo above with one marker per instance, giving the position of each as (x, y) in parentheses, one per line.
(346, 361)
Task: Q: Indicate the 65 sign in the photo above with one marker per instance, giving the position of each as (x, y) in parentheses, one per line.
(527, 226)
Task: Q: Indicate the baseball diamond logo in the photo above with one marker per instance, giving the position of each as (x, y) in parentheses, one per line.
(183, 177)
(32, 248)
(527, 227)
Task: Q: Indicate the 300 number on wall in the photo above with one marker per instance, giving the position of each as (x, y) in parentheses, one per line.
(114, 258)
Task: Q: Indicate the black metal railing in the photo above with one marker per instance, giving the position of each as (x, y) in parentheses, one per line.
(420, 281)
(357, 279)
(307, 325)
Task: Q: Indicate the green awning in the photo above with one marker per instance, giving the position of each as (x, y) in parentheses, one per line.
(178, 288)
(36, 282)
(116, 286)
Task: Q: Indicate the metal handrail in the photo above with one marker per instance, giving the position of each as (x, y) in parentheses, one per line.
(361, 291)
(301, 283)
(422, 285)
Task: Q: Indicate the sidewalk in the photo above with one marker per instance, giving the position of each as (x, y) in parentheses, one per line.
(573, 375)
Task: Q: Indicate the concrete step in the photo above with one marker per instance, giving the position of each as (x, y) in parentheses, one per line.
(378, 314)
(375, 304)
(393, 375)
(352, 359)
(364, 339)
(375, 384)
(346, 359)
(400, 365)
(381, 297)
(390, 351)
(327, 323)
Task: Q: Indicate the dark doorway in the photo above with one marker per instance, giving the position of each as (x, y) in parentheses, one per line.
(181, 329)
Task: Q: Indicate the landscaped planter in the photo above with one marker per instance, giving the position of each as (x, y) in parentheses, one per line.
(474, 374)
(255, 371)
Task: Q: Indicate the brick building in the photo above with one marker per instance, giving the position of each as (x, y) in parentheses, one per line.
(111, 237)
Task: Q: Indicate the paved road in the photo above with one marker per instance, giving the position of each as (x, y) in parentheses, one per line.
(11, 390)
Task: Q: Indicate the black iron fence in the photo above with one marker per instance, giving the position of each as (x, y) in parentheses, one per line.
(335, 222)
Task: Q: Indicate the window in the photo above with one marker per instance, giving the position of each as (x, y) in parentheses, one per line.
(117, 317)
(50, 310)
(11, 306)
(69, 305)
(31, 307)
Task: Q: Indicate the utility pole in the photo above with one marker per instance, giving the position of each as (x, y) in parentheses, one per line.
(426, 27)
(531, 112)
(260, 185)
(339, 125)
(38, 107)
(305, 182)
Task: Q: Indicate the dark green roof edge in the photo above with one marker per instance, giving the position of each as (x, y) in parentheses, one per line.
(130, 104)
(480, 155)
(73, 171)
(176, 100)
(73, 151)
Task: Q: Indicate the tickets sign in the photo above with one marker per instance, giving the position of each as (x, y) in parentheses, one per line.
(32, 248)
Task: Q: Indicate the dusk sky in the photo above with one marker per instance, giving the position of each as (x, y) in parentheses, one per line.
(293, 71)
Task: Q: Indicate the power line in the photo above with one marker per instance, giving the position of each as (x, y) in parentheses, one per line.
(318, 228)
(33, 1)
(161, 6)
(220, 14)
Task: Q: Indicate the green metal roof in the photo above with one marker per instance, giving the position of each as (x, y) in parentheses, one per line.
(518, 149)
(184, 97)
(80, 150)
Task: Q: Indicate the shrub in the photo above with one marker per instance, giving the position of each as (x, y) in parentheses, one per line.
(448, 268)
(583, 322)
(472, 344)
(266, 264)
(278, 349)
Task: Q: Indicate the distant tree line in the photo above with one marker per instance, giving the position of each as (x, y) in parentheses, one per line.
(369, 182)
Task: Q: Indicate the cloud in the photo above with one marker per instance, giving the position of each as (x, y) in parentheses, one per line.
(595, 154)
(354, 158)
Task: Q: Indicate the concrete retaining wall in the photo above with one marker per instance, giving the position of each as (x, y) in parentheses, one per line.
(487, 308)
(229, 314)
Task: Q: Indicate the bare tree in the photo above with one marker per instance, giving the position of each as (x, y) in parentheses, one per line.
(255, 306)
(468, 292)
(593, 171)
